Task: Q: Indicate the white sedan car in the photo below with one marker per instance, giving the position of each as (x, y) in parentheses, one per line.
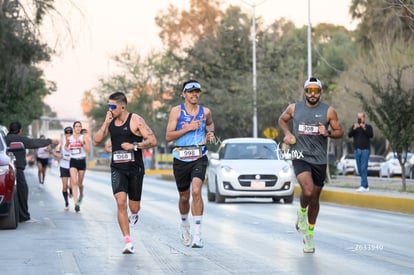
(249, 167)
(391, 166)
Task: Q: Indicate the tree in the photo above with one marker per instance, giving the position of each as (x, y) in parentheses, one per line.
(22, 86)
(390, 100)
(180, 29)
(392, 19)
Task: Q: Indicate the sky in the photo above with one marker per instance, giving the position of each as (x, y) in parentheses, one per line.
(100, 29)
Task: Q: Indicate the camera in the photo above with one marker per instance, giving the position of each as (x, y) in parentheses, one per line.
(359, 121)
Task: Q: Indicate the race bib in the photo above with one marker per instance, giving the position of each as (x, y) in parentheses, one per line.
(310, 130)
(189, 152)
(123, 156)
(75, 151)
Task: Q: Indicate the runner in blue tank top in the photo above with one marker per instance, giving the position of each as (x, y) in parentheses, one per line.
(308, 141)
(129, 135)
(187, 126)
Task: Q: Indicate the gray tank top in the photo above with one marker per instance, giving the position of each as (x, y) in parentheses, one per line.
(310, 146)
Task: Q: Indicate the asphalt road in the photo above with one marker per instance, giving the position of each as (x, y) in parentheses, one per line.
(243, 236)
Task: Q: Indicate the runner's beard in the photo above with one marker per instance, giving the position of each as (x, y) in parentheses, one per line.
(312, 102)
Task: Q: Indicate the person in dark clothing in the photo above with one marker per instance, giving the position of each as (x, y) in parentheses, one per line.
(14, 135)
(130, 134)
(362, 133)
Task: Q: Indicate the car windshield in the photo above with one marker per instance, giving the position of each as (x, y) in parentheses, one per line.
(250, 151)
(376, 159)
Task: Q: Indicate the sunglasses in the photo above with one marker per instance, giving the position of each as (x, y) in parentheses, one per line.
(112, 106)
(315, 91)
(68, 132)
(192, 86)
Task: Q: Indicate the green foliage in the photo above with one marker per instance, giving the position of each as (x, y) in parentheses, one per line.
(390, 100)
(22, 86)
(382, 20)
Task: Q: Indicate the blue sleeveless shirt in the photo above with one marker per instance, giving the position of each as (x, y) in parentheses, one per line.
(194, 138)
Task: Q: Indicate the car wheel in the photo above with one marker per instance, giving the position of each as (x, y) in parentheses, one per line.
(11, 221)
(219, 198)
(288, 199)
(210, 195)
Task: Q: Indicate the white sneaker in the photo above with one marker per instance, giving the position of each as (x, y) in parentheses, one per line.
(308, 245)
(133, 219)
(197, 242)
(128, 249)
(185, 235)
(362, 189)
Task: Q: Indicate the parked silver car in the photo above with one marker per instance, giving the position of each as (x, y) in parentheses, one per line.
(391, 166)
(346, 165)
(249, 167)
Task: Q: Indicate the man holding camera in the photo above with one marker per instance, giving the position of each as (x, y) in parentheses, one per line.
(362, 133)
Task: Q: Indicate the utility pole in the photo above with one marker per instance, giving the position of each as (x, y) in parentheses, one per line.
(253, 6)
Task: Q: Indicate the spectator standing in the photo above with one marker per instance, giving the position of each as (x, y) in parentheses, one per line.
(15, 135)
(361, 132)
(148, 158)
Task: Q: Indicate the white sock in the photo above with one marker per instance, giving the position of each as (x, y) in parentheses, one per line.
(197, 225)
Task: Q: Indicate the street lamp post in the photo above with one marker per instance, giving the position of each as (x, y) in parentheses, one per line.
(253, 6)
(254, 75)
(309, 43)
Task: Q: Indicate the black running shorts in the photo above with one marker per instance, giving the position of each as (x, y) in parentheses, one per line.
(129, 182)
(318, 171)
(79, 164)
(64, 172)
(184, 172)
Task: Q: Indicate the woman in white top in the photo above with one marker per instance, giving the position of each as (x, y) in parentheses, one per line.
(79, 146)
(63, 155)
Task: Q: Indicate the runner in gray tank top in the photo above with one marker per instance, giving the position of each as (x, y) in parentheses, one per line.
(313, 123)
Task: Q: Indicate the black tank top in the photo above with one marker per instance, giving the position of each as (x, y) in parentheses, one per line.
(121, 134)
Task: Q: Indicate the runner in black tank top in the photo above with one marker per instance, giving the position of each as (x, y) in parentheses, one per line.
(129, 135)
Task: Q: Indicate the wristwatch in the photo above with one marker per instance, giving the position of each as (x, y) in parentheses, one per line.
(135, 146)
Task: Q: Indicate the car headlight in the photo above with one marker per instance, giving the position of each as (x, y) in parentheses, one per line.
(228, 171)
(4, 169)
(286, 170)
